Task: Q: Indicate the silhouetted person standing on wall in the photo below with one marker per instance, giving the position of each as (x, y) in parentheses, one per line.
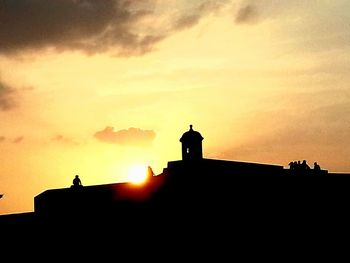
(305, 166)
(291, 165)
(77, 182)
(317, 168)
(298, 166)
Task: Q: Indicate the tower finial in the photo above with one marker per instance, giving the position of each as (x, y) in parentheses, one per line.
(191, 126)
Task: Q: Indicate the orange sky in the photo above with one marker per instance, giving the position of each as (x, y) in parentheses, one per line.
(95, 87)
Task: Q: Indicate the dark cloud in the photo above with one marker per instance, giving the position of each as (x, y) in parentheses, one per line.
(7, 100)
(89, 25)
(247, 14)
(18, 139)
(72, 24)
(131, 136)
(2, 138)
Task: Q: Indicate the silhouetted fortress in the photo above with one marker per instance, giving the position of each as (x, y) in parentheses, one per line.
(194, 189)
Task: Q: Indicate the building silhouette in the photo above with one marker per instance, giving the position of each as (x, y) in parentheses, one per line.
(220, 194)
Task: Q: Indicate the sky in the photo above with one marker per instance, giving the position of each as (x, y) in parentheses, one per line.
(94, 88)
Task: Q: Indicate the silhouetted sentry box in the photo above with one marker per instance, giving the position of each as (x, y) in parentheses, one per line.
(191, 145)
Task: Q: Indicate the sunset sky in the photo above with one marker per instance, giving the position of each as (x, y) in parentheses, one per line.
(94, 87)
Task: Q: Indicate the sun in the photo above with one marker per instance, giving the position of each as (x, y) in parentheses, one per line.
(137, 174)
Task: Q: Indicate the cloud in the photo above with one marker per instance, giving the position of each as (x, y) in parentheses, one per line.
(67, 24)
(246, 14)
(131, 136)
(191, 18)
(64, 140)
(18, 139)
(251, 11)
(14, 140)
(7, 101)
(131, 27)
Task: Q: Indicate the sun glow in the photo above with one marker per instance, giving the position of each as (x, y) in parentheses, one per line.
(137, 174)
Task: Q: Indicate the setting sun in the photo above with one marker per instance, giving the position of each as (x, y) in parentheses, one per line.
(137, 174)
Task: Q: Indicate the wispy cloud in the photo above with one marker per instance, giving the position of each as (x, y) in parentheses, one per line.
(64, 140)
(7, 97)
(246, 14)
(131, 136)
(18, 139)
(194, 15)
(252, 11)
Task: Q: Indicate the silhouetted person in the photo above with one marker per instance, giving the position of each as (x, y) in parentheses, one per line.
(77, 182)
(295, 165)
(305, 166)
(317, 167)
(298, 166)
(291, 166)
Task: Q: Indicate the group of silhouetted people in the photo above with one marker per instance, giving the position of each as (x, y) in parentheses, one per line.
(303, 166)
